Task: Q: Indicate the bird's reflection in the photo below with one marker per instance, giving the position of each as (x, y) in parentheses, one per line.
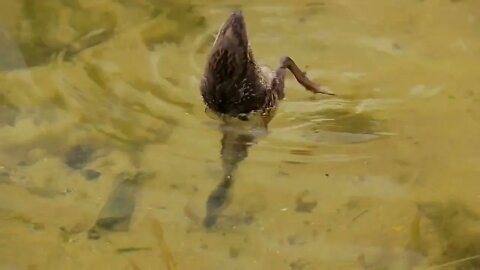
(237, 138)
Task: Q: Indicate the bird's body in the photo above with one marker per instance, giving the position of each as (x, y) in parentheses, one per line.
(233, 83)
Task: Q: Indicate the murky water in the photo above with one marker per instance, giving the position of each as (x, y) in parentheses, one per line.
(108, 157)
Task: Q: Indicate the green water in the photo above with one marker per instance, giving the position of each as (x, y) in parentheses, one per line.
(107, 156)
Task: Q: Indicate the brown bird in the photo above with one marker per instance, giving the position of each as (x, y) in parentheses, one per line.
(233, 83)
(235, 86)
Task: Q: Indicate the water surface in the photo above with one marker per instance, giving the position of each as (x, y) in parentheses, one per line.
(107, 156)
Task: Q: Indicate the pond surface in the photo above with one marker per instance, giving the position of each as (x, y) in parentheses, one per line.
(107, 156)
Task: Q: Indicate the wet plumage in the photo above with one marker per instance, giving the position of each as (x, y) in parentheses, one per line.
(233, 84)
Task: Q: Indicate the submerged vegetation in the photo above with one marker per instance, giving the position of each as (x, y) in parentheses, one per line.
(448, 233)
(48, 28)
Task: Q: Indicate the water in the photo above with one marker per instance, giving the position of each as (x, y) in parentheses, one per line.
(102, 129)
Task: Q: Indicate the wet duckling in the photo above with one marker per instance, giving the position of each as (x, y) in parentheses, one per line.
(233, 83)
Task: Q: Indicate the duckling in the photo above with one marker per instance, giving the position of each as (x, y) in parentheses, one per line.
(234, 85)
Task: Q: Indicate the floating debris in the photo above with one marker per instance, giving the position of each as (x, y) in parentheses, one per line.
(133, 249)
(359, 215)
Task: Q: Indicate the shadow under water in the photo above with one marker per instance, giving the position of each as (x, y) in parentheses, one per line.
(117, 212)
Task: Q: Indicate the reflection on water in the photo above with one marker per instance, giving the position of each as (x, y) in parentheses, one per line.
(94, 94)
(238, 137)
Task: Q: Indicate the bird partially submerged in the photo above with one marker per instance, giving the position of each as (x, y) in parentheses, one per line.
(233, 83)
(234, 87)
